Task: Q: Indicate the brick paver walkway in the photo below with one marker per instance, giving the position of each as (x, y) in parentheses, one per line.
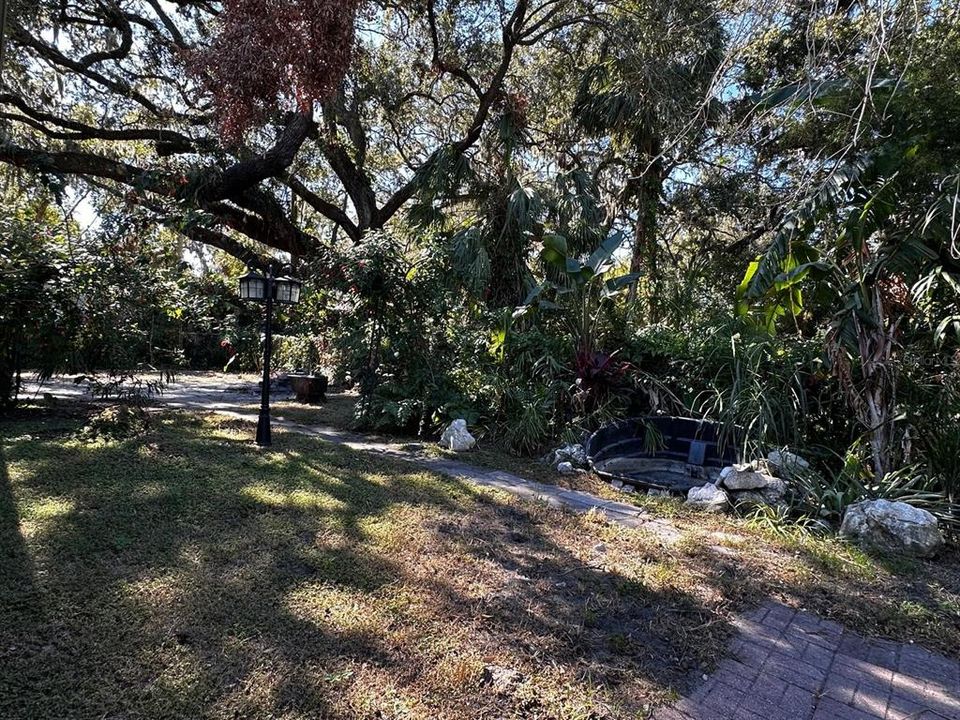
(792, 665)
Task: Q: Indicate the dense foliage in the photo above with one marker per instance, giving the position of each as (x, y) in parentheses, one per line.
(533, 216)
(269, 54)
(112, 297)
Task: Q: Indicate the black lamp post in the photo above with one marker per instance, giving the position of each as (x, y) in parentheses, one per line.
(267, 289)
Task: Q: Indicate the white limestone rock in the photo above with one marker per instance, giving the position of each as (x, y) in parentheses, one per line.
(786, 463)
(709, 498)
(456, 436)
(893, 527)
(574, 453)
(773, 494)
(744, 477)
(775, 491)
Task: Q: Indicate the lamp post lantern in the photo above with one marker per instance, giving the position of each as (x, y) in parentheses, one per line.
(268, 289)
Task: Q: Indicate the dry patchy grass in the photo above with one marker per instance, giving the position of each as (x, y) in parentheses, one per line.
(187, 574)
(336, 412)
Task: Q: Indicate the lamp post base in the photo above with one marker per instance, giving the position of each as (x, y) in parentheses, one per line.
(263, 428)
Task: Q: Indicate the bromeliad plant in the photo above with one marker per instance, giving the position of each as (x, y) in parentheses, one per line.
(580, 292)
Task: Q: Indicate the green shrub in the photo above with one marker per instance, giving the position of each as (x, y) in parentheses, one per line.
(306, 353)
(526, 419)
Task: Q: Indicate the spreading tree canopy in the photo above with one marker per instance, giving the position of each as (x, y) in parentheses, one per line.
(238, 121)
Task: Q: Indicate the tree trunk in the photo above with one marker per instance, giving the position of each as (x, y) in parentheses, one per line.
(506, 247)
(645, 257)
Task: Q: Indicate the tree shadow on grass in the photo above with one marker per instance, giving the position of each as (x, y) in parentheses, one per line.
(193, 575)
(21, 627)
(16, 567)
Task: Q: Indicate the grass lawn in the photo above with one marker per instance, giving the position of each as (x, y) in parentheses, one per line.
(186, 574)
(338, 412)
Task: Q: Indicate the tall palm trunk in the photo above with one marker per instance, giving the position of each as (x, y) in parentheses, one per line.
(645, 257)
(871, 389)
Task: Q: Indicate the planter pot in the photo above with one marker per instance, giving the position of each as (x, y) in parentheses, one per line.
(309, 388)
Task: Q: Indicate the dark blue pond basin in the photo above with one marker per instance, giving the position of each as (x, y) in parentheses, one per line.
(666, 453)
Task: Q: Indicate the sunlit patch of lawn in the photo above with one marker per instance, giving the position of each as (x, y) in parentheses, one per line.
(337, 411)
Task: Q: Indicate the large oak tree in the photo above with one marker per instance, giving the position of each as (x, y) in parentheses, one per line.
(171, 107)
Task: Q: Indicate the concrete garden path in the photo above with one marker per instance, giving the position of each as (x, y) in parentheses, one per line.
(783, 664)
